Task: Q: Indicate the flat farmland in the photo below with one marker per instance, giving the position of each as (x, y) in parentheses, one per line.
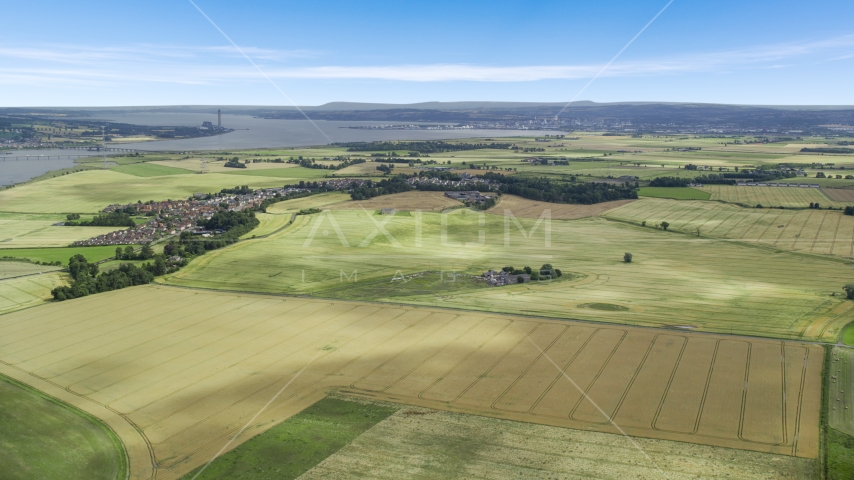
(269, 224)
(23, 292)
(426, 443)
(192, 367)
(826, 232)
(92, 190)
(693, 283)
(841, 390)
(23, 230)
(10, 269)
(522, 207)
(427, 201)
(840, 195)
(791, 197)
(313, 201)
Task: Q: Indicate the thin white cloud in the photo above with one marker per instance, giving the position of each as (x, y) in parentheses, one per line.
(219, 65)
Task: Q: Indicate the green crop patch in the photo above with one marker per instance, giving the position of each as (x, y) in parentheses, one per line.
(43, 438)
(294, 446)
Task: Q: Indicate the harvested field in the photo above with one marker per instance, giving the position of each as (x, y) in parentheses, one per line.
(426, 201)
(789, 197)
(193, 165)
(426, 443)
(844, 195)
(522, 207)
(192, 367)
(841, 390)
(23, 292)
(812, 231)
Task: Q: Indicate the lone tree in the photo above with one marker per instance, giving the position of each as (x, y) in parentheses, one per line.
(849, 291)
(627, 257)
(664, 225)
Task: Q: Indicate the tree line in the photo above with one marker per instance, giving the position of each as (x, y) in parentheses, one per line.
(87, 281)
(112, 219)
(547, 190)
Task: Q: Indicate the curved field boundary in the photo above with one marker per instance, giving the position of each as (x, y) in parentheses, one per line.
(140, 456)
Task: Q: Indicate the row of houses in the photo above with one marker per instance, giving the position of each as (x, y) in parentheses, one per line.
(171, 217)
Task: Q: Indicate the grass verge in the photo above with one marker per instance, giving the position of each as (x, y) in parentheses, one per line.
(296, 445)
(42, 437)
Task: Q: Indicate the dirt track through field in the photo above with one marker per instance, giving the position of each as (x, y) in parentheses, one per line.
(188, 368)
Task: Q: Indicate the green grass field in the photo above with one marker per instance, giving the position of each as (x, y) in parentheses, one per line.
(269, 224)
(93, 254)
(848, 335)
(149, 170)
(44, 438)
(685, 193)
(294, 446)
(703, 284)
(840, 394)
(810, 231)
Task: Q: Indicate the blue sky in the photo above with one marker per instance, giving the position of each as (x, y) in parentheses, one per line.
(101, 53)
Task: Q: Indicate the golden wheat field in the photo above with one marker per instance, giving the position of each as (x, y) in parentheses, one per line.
(189, 368)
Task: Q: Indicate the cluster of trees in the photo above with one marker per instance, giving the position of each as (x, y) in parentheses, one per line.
(546, 272)
(849, 211)
(849, 291)
(311, 163)
(684, 182)
(828, 150)
(815, 205)
(386, 169)
(388, 186)
(87, 281)
(408, 161)
(127, 253)
(234, 224)
(112, 219)
(419, 147)
(544, 189)
(238, 190)
(235, 163)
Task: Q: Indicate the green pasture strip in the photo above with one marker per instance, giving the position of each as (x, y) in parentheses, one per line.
(294, 446)
(42, 437)
(93, 254)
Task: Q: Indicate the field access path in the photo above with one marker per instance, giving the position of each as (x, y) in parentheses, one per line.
(177, 372)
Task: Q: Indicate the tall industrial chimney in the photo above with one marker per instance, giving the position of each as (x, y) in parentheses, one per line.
(219, 118)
